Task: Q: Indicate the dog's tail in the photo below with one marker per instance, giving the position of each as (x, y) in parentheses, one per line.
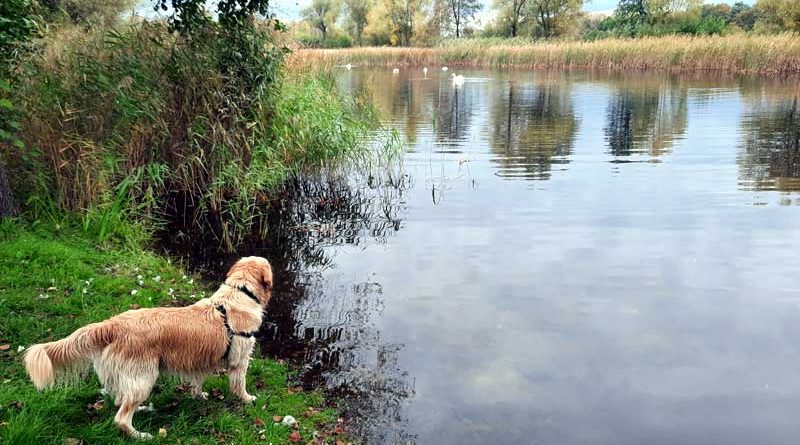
(47, 362)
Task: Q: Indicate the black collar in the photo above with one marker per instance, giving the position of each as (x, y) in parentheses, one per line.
(249, 293)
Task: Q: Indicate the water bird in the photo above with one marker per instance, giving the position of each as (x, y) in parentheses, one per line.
(444, 68)
(396, 71)
(425, 71)
(349, 66)
(458, 79)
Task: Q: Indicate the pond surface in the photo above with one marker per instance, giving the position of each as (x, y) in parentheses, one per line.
(561, 258)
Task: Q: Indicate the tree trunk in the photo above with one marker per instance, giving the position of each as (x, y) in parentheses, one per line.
(8, 207)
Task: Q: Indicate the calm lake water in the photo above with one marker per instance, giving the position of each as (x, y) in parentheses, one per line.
(560, 258)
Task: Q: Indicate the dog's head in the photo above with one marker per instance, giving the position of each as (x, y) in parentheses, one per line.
(255, 273)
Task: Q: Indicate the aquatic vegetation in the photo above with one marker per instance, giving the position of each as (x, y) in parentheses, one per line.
(766, 54)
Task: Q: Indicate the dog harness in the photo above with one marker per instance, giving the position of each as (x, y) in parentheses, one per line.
(231, 333)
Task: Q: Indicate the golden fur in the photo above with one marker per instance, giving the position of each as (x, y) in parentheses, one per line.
(128, 351)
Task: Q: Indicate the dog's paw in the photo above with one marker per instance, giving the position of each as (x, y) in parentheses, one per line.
(248, 398)
(146, 408)
(138, 435)
(202, 395)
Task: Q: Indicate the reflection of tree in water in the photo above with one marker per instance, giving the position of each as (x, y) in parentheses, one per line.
(330, 330)
(644, 120)
(770, 156)
(533, 127)
(454, 112)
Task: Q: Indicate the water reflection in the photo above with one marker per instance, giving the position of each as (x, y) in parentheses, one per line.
(454, 109)
(628, 304)
(646, 119)
(770, 154)
(329, 330)
(533, 128)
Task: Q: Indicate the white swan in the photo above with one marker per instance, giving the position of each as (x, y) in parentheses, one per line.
(349, 66)
(458, 79)
(444, 68)
(396, 71)
(425, 71)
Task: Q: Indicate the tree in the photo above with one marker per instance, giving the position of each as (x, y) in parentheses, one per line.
(356, 11)
(188, 15)
(513, 12)
(778, 15)
(456, 14)
(742, 15)
(322, 15)
(643, 11)
(632, 11)
(392, 22)
(553, 16)
(87, 12)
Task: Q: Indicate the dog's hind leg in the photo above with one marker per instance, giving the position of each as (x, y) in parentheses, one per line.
(124, 419)
(136, 382)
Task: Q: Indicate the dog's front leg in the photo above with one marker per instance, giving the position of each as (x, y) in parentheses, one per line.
(238, 379)
(237, 367)
(196, 390)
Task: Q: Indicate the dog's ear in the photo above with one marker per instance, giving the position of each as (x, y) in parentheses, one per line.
(266, 276)
(253, 269)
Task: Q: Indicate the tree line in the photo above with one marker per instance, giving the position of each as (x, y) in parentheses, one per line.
(341, 23)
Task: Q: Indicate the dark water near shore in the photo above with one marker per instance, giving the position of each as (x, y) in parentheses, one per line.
(560, 258)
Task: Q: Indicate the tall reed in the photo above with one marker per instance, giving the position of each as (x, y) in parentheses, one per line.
(142, 125)
(761, 54)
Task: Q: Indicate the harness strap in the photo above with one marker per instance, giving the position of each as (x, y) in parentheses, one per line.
(221, 309)
(249, 293)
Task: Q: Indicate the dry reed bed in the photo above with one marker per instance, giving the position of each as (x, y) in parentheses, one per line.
(774, 54)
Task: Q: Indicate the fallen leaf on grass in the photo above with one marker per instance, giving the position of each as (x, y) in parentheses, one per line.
(294, 437)
(15, 404)
(162, 432)
(5, 347)
(277, 418)
(72, 441)
(135, 306)
(294, 390)
(258, 422)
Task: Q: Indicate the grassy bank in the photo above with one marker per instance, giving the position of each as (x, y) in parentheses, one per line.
(775, 54)
(54, 280)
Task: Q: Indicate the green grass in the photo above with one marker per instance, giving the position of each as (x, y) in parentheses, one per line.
(54, 280)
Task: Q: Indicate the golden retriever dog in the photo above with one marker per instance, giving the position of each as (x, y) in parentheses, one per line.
(128, 351)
